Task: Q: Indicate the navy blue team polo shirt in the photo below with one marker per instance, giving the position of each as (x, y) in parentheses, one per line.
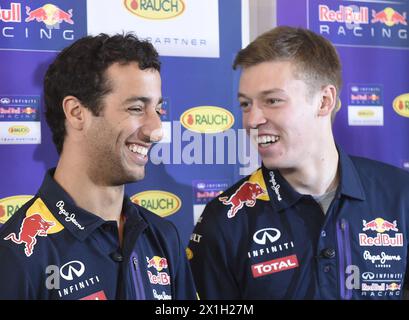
(261, 239)
(52, 249)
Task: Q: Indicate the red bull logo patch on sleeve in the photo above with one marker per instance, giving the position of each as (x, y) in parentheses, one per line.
(247, 194)
(39, 221)
(31, 227)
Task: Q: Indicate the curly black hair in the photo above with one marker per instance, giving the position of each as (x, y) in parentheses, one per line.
(79, 70)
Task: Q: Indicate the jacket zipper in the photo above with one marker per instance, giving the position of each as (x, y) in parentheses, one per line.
(344, 249)
(137, 278)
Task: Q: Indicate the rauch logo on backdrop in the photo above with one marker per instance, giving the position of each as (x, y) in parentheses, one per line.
(401, 105)
(162, 203)
(155, 9)
(50, 26)
(363, 23)
(207, 119)
(9, 206)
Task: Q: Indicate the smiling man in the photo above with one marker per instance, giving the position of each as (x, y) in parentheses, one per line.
(81, 237)
(312, 222)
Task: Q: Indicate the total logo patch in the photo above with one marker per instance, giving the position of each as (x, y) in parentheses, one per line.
(380, 226)
(100, 295)
(274, 266)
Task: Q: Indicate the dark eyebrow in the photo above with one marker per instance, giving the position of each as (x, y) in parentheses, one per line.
(142, 99)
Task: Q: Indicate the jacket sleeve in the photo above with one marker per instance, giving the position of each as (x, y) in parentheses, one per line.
(211, 260)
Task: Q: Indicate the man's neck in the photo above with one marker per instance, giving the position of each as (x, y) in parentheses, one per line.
(103, 201)
(317, 175)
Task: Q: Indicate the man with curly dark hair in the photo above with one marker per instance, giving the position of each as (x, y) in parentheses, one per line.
(81, 237)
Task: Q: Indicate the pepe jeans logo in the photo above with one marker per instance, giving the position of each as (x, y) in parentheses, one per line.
(68, 217)
(275, 186)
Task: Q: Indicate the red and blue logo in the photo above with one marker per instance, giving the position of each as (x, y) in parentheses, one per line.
(42, 25)
(360, 23)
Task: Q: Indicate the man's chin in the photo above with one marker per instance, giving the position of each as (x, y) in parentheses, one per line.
(135, 175)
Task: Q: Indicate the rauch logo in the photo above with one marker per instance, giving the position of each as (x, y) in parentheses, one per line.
(19, 130)
(155, 9)
(401, 105)
(9, 206)
(207, 119)
(162, 203)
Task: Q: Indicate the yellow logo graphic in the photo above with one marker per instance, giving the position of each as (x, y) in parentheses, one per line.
(189, 253)
(401, 105)
(257, 177)
(366, 113)
(207, 119)
(155, 9)
(39, 207)
(19, 130)
(9, 206)
(162, 203)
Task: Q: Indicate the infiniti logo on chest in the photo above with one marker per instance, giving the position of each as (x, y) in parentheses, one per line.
(266, 235)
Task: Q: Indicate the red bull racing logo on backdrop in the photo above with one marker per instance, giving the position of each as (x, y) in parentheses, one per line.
(41, 25)
(361, 23)
(50, 15)
(382, 238)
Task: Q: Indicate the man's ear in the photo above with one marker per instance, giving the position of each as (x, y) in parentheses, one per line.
(74, 112)
(328, 100)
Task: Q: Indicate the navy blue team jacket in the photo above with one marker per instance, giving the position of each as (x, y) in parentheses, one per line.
(263, 240)
(52, 249)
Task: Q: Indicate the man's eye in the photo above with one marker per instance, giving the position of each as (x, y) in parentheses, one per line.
(135, 109)
(244, 104)
(272, 101)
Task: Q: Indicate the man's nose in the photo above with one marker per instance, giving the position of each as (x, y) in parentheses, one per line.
(254, 117)
(152, 128)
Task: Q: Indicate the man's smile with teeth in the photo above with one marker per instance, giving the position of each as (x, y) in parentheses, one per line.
(138, 149)
(265, 140)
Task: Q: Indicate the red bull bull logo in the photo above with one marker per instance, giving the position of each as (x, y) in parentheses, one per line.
(50, 15)
(157, 262)
(379, 225)
(389, 17)
(393, 286)
(31, 227)
(247, 195)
